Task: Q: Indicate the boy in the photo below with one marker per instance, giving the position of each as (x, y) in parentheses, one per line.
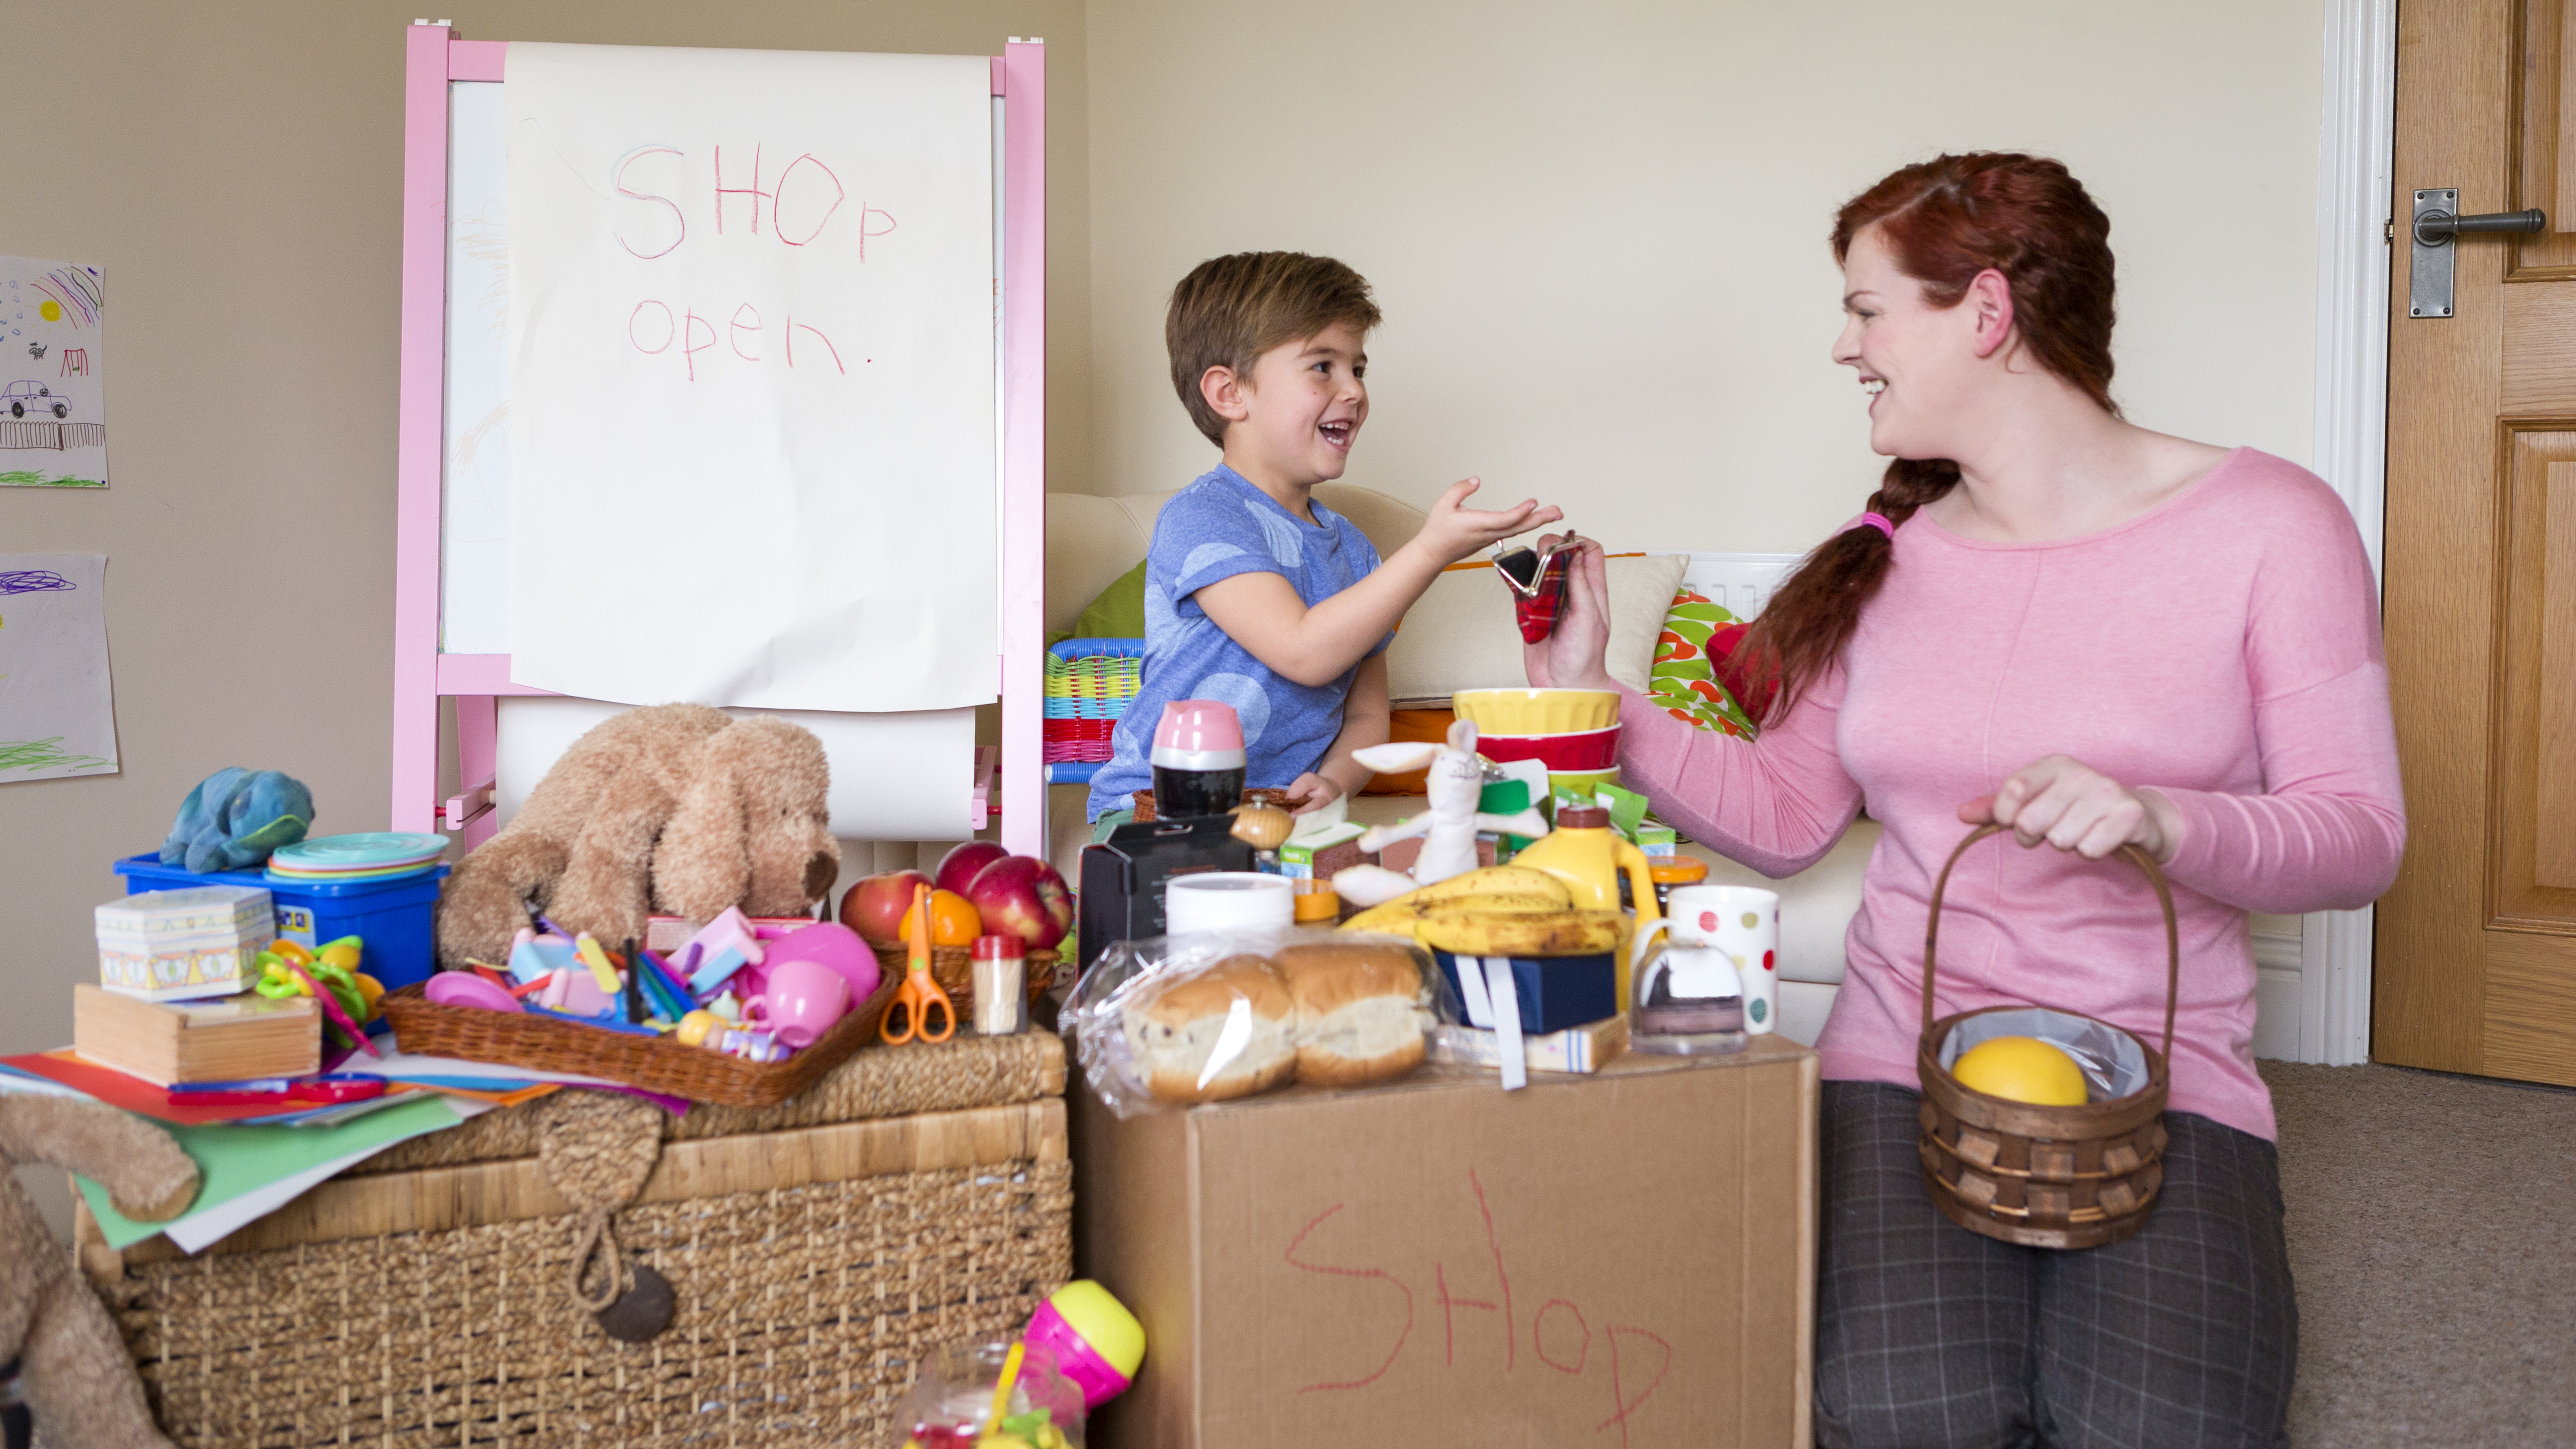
(1255, 594)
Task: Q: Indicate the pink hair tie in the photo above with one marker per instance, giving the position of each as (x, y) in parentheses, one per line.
(1879, 522)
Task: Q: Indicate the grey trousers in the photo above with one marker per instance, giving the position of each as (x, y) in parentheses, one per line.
(1929, 1336)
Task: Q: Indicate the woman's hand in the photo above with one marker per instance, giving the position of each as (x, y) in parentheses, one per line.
(1574, 656)
(2075, 807)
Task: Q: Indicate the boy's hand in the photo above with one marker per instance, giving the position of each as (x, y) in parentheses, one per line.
(1311, 792)
(1453, 531)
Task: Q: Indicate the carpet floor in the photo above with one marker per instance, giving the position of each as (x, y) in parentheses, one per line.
(2432, 1225)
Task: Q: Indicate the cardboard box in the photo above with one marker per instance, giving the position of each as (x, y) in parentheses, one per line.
(1622, 1259)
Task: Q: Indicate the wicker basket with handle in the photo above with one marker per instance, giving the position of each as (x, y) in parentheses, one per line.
(2041, 1176)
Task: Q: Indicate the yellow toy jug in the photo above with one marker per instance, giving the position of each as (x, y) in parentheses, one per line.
(1585, 853)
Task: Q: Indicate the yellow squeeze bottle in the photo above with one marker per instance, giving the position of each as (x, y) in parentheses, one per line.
(1585, 853)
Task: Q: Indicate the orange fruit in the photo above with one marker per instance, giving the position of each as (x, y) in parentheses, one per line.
(954, 920)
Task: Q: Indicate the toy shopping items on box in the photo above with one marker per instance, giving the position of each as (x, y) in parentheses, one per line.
(178, 945)
(1204, 1017)
(392, 915)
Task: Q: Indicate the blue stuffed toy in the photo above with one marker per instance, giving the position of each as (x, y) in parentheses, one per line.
(235, 817)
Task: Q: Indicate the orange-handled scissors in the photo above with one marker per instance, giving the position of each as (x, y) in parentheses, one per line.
(919, 998)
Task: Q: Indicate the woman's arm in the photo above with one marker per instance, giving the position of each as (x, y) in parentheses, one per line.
(1776, 804)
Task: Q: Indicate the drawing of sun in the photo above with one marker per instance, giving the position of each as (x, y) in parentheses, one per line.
(51, 311)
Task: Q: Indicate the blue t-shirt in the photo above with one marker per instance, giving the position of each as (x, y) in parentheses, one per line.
(1218, 527)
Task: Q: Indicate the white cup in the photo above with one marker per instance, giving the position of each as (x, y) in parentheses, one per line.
(1743, 922)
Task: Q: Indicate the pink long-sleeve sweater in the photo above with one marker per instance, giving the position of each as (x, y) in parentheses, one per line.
(2222, 648)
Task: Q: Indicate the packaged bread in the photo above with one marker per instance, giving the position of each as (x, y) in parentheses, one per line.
(1361, 1010)
(1226, 1030)
(1168, 1022)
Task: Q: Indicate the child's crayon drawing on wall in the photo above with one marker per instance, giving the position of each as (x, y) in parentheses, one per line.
(57, 715)
(53, 362)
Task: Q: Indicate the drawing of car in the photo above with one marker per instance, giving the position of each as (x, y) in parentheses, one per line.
(22, 398)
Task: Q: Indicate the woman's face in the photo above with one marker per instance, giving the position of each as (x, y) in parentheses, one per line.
(1918, 362)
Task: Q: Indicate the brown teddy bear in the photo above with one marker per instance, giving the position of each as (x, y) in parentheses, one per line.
(73, 1367)
(674, 806)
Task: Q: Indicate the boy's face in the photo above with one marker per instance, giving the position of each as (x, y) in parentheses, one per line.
(1302, 407)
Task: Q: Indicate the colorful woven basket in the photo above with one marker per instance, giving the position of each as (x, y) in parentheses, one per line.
(1089, 683)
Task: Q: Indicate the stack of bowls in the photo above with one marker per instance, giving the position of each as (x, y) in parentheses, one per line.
(1574, 732)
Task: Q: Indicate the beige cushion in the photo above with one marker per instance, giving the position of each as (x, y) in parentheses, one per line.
(1461, 634)
(1091, 540)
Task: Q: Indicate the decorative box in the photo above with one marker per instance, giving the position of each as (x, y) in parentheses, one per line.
(181, 944)
(1556, 992)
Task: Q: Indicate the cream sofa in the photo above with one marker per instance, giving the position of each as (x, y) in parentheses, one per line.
(1092, 540)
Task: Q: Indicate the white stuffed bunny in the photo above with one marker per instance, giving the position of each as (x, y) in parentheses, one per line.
(1448, 829)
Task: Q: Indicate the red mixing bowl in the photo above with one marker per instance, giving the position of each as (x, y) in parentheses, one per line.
(1577, 750)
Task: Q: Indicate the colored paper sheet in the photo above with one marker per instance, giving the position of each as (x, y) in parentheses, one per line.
(57, 717)
(144, 1099)
(53, 370)
(238, 1161)
(752, 421)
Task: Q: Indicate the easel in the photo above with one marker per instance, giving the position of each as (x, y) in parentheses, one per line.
(423, 675)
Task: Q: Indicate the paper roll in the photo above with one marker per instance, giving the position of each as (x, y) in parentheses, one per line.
(897, 776)
(1228, 900)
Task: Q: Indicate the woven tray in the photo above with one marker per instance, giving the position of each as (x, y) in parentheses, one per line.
(657, 1064)
(953, 967)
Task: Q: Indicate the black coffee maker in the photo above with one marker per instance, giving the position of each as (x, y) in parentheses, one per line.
(1198, 765)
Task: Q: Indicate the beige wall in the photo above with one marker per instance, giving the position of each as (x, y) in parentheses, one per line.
(236, 170)
(1598, 231)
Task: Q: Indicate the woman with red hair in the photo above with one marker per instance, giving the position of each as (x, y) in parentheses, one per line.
(2059, 621)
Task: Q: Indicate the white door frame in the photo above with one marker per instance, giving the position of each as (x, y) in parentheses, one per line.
(2356, 142)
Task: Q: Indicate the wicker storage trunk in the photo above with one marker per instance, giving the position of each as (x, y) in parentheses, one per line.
(816, 1253)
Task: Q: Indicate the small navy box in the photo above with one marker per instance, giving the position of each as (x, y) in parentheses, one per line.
(1556, 992)
(393, 918)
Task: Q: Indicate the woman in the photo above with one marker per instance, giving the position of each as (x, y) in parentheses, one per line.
(2097, 635)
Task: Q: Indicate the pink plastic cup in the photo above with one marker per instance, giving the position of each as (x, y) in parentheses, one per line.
(801, 1001)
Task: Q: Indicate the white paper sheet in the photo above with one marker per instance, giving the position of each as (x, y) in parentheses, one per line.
(56, 714)
(905, 776)
(53, 371)
(751, 300)
(474, 478)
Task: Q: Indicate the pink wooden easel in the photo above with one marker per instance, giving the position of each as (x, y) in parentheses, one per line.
(423, 675)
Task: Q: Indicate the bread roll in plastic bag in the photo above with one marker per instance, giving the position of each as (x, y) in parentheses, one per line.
(1175, 1021)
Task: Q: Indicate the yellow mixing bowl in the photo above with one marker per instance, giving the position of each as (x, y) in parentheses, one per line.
(1536, 711)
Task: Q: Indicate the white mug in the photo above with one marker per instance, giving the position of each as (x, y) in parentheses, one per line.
(1743, 922)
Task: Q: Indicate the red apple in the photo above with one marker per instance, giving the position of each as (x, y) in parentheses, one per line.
(1024, 896)
(958, 867)
(874, 907)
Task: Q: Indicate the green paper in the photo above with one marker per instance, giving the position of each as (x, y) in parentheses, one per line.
(235, 1160)
(1627, 808)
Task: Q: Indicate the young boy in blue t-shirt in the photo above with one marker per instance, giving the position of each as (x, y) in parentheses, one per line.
(1255, 594)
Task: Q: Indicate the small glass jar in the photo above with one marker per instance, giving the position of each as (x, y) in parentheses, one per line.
(1001, 985)
(1669, 873)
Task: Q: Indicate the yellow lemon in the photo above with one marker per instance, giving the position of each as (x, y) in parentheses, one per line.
(2022, 1069)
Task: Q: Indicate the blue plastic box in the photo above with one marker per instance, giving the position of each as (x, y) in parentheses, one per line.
(1556, 992)
(394, 917)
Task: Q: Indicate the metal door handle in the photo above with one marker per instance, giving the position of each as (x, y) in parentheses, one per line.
(2436, 222)
(2436, 228)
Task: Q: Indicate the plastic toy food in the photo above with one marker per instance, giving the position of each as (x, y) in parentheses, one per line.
(2022, 1069)
(958, 868)
(953, 920)
(875, 906)
(1024, 896)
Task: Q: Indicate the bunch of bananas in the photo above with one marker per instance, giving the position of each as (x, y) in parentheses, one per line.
(1500, 910)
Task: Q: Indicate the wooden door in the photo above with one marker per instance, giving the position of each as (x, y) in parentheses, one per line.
(2476, 952)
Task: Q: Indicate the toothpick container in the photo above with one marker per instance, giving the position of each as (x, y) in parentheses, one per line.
(2042, 1176)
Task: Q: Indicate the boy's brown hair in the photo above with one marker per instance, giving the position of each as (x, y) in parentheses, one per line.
(1230, 310)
